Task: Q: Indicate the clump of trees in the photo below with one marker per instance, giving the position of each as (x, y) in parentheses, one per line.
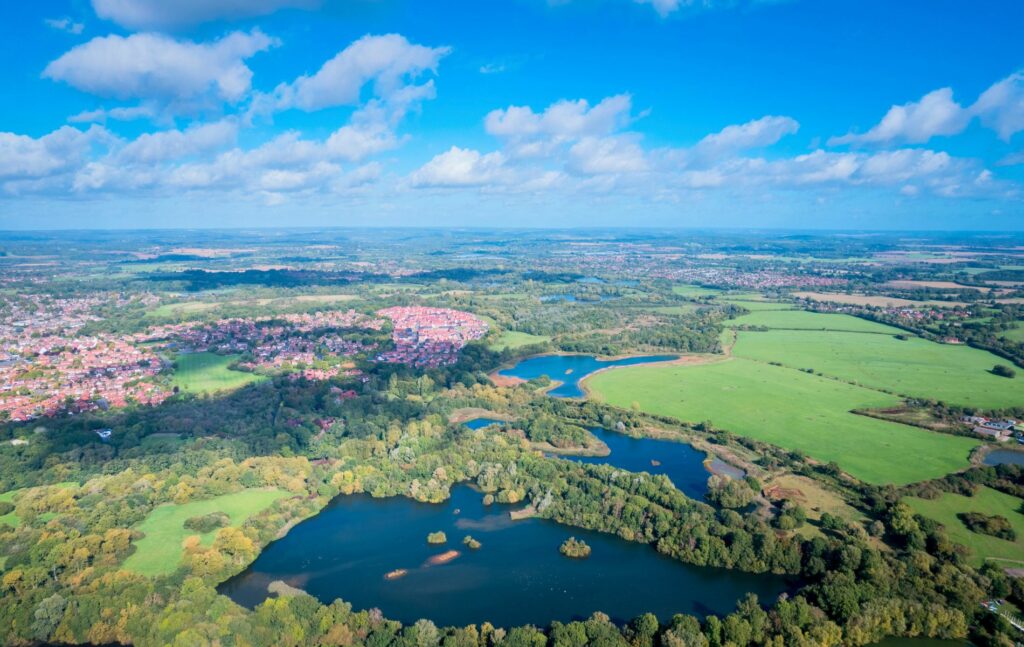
(437, 537)
(575, 548)
(1002, 370)
(992, 525)
(471, 543)
(728, 492)
(207, 522)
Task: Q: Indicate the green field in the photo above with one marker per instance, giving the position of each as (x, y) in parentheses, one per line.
(209, 372)
(754, 306)
(159, 552)
(791, 409)
(803, 320)
(694, 291)
(912, 367)
(516, 339)
(1014, 334)
(987, 501)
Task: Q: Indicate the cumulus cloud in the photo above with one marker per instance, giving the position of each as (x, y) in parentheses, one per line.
(162, 14)
(600, 155)
(389, 62)
(65, 24)
(758, 133)
(159, 68)
(561, 120)
(177, 144)
(460, 167)
(1001, 107)
(915, 122)
(23, 157)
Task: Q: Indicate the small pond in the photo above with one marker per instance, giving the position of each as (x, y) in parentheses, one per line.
(516, 577)
(1004, 457)
(570, 369)
(681, 463)
(480, 423)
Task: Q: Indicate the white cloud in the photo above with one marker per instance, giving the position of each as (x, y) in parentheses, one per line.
(758, 133)
(160, 68)
(128, 113)
(65, 24)
(599, 155)
(460, 167)
(390, 62)
(915, 122)
(164, 14)
(1001, 107)
(663, 7)
(563, 120)
(177, 144)
(62, 150)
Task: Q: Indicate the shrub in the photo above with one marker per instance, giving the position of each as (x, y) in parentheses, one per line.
(983, 524)
(1003, 371)
(575, 548)
(207, 522)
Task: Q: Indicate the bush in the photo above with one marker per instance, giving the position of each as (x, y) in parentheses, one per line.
(207, 522)
(575, 548)
(1003, 371)
(6, 507)
(994, 526)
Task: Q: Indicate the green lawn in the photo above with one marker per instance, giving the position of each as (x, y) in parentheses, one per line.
(159, 552)
(754, 306)
(803, 320)
(987, 501)
(790, 409)
(209, 372)
(515, 339)
(913, 367)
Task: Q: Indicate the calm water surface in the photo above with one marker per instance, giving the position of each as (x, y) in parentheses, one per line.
(1004, 457)
(681, 463)
(517, 577)
(570, 369)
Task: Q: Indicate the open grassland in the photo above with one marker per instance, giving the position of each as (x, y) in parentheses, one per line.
(209, 372)
(159, 552)
(815, 499)
(754, 305)
(791, 409)
(515, 339)
(912, 367)
(986, 501)
(694, 291)
(803, 320)
(873, 300)
(1015, 334)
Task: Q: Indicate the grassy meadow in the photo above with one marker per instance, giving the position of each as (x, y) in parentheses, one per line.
(803, 320)
(209, 372)
(986, 501)
(791, 409)
(159, 551)
(912, 367)
(515, 339)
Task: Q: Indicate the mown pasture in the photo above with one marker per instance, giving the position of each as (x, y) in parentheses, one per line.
(209, 372)
(160, 550)
(791, 409)
(911, 367)
(514, 339)
(803, 320)
(986, 501)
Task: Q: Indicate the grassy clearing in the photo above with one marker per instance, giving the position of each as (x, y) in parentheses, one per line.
(790, 409)
(516, 339)
(803, 320)
(913, 367)
(159, 552)
(209, 372)
(873, 300)
(815, 500)
(755, 306)
(694, 291)
(11, 519)
(987, 501)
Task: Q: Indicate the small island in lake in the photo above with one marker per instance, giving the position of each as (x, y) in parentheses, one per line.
(471, 543)
(575, 548)
(437, 537)
(395, 574)
(443, 558)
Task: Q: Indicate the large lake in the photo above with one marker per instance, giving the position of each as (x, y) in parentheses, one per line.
(570, 369)
(517, 577)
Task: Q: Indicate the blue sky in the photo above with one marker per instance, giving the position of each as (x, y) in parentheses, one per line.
(741, 113)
